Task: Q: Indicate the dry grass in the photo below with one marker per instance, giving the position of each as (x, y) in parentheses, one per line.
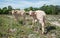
(7, 22)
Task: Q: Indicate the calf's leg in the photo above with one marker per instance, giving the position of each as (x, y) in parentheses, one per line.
(42, 27)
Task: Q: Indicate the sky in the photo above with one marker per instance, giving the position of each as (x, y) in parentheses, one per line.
(27, 3)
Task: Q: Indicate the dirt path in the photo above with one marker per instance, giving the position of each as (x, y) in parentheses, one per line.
(55, 23)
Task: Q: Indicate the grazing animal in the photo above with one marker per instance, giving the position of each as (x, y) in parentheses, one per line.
(18, 13)
(38, 15)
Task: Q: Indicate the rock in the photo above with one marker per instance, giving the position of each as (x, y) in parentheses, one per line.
(53, 35)
(13, 30)
(32, 36)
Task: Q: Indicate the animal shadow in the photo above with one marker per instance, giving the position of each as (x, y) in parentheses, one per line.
(49, 28)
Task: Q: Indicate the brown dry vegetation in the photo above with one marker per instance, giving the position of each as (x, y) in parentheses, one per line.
(7, 22)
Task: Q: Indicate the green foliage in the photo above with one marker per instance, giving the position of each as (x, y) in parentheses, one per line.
(26, 9)
(31, 8)
(6, 10)
(49, 9)
(9, 8)
(0, 10)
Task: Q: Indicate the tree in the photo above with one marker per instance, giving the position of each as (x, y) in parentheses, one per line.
(26, 9)
(35, 9)
(50, 9)
(10, 8)
(4, 10)
(0, 10)
(57, 9)
(30, 8)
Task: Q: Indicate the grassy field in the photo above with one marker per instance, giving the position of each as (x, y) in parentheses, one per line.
(7, 22)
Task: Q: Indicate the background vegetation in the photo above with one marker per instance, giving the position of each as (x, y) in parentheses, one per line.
(49, 9)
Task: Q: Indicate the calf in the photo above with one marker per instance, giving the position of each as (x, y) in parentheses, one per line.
(18, 13)
(40, 16)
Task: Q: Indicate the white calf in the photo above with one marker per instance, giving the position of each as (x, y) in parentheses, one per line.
(18, 13)
(40, 16)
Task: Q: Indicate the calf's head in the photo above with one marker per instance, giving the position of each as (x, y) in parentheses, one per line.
(32, 13)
